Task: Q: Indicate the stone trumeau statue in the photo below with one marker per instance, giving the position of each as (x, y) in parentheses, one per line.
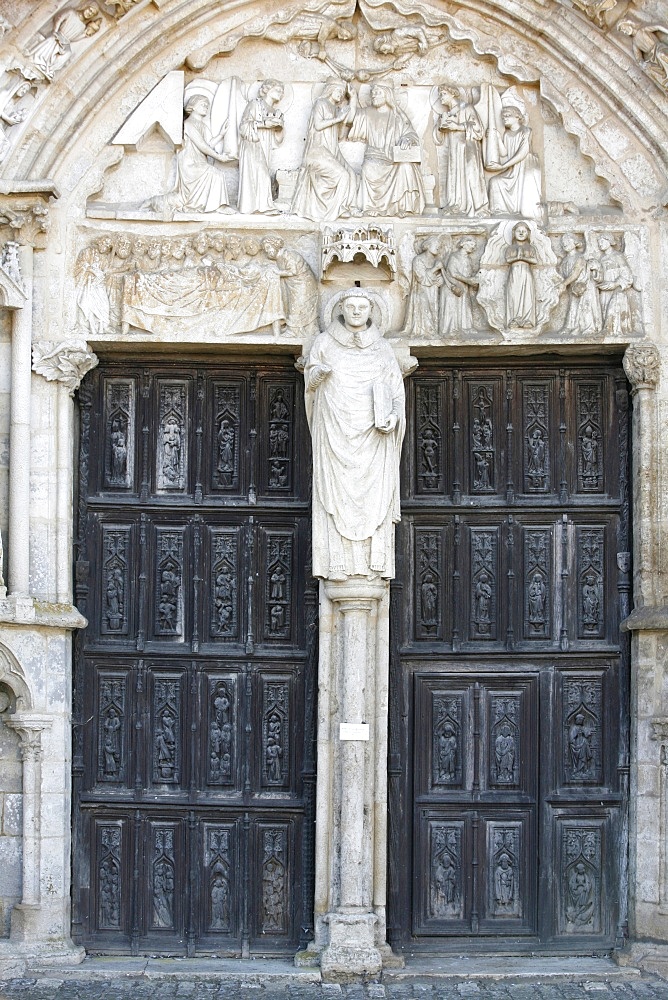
(356, 412)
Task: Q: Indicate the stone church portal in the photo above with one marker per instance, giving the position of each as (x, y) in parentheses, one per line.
(332, 579)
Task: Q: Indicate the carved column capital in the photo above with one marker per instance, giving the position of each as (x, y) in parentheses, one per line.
(29, 223)
(641, 364)
(30, 729)
(65, 361)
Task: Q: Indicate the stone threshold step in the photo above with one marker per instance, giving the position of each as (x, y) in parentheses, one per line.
(458, 967)
(100, 967)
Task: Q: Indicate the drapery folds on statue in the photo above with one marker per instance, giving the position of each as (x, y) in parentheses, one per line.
(355, 407)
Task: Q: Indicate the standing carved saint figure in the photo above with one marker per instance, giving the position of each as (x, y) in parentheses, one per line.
(504, 883)
(426, 279)
(504, 754)
(580, 911)
(459, 131)
(388, 186)
(327, 185)
(584, 309)
(200, 184)
(355, 407)
(260, 128)
(459, 281)
(91, 291)
(615, 283)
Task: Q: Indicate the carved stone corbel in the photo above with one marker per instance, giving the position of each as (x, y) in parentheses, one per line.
(65, 361)
(642, 366)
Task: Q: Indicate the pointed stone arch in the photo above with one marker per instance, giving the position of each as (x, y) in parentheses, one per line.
(13, 675)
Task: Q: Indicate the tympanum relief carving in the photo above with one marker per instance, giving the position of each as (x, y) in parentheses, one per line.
(382, 150)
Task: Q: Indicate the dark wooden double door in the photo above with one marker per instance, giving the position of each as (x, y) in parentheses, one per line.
(509, 685)
(194, 770)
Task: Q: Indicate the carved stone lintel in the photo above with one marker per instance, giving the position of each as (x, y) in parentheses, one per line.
(641, 364)
(66, 361)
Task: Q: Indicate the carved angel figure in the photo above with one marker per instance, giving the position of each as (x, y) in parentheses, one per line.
(650, 48)
(426, 279)
(70, 26)
(579, 274)
(260, 128)
(387, 186)
(356, 413)
(312, 31)
(327, 185)
(459, 131)
(402, 42)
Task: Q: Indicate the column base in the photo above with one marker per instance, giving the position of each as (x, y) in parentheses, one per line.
(351, 954)
(21, 951)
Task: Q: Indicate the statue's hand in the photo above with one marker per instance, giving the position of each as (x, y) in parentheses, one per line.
(318, 374)
(390, 424)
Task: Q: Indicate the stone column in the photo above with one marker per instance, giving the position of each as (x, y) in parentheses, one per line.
(648, 623)
(64, 362)
(25, 916)
(24, 213)
(641, 364)
(351, 851)
(18, 557)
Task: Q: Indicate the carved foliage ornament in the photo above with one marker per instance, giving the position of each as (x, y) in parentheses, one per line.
(66, 361)
(642, 366)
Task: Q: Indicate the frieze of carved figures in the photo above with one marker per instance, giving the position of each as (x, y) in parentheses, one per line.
(242, 283)
(355, 408)
(481, 135)
(444, 280)
(642, 364)
(51, 51)
(519, 284)
(66, 361)
(600, 286)
(650, 48)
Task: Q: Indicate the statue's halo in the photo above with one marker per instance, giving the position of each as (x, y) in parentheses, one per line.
(379, 311)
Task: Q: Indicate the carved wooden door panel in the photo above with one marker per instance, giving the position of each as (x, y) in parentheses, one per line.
(194, 690)
(509, 681)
